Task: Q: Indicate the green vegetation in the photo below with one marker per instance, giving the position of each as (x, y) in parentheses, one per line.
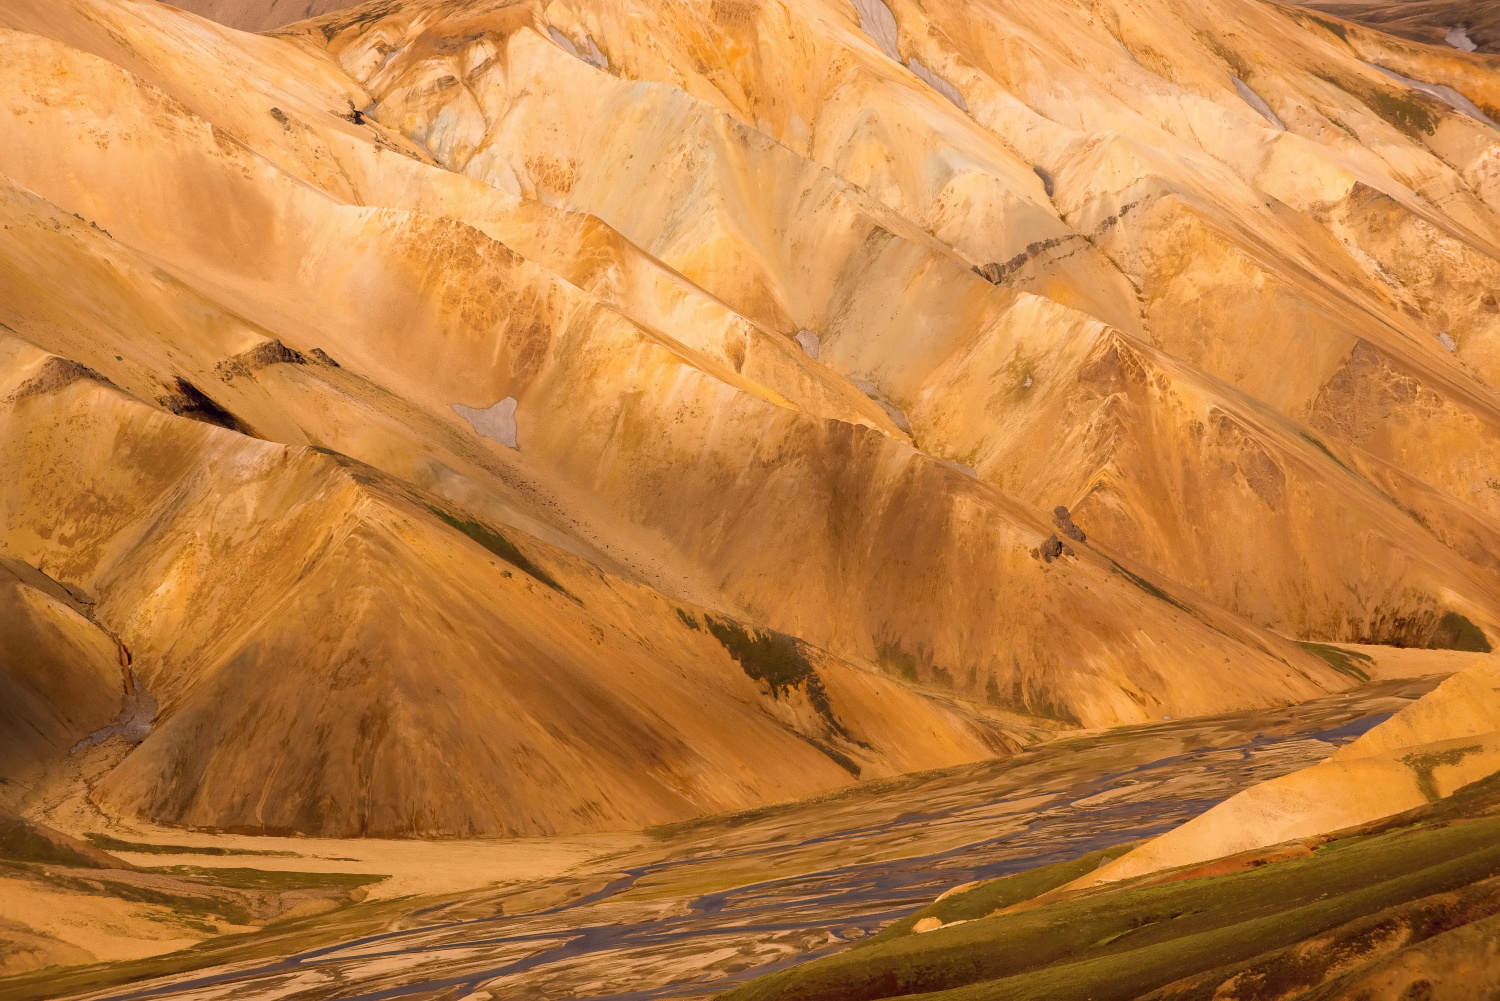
(992, 691)
(1314, 440)
(1332, 26)
(1123, 942)
(995, 894)
(768, 656)
(1339, 659)
(109, 844)
(1414, 114)
(281, 939)
(1150, 588)
(207, 905)
(21, 842)
(269, 879)
(777, 660)
(500, 546)
(838, 757)
(1456, 632)
(893, 657)
(1232, 59)
(1423, 764)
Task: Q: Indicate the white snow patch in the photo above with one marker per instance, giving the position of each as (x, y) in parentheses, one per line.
(1440, 92)
(880, 24)
(1027, 383)
(1459, 38)
(1446, 341)
(498, 423)
(809, 342)
(590, 55)
(1257, 102)
(937, 83)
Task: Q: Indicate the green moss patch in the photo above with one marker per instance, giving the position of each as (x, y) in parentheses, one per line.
(1341, 660)
(110, 844)
(500, 546)
(1312, 439)
(1414, 114)
(1423, 764)
(894, 658)
(208, 905)
(776, 660)
(1456, 632)
(766, 655)
(23, 842)
(1333, 27)
(269, 879)
(1149, 588)
(281, 939)
(993, 895)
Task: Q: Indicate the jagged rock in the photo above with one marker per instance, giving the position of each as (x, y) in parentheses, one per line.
(1052, 548)
(1064, 521)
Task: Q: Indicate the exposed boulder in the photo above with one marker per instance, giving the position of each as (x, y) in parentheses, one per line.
(1064, 521)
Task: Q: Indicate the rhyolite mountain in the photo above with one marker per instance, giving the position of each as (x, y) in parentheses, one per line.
(471, 418)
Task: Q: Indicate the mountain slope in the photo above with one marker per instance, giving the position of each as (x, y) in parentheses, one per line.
(1226, 274)
(517, 418)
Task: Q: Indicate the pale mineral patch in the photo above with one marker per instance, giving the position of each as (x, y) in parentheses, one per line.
(809, 342)
(589, 53)
(496, 422)
(880, 24)
(1458, 37)
(1257, 102)
(938, 83)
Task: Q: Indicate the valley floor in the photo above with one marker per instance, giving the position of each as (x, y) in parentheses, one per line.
(685, 912)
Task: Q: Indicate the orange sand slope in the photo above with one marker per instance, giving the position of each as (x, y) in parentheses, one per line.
(475, 418)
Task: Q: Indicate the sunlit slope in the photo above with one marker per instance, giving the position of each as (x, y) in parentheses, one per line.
(801, 317)
(336, 655)
(358, 615)
(261, 15)
(833, 530)
(1326, 272)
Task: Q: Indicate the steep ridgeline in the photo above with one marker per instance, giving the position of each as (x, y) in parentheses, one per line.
(546, 417)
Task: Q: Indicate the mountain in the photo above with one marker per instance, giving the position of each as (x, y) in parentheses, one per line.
(464, 418)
